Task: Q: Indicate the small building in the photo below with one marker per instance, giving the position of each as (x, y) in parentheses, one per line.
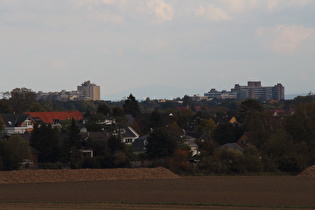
(17, 123)
(55, 118)
(127, 134)
(139, 145)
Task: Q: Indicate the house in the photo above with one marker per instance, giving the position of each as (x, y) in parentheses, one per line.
(139, 145)
(87, 152)
(55, 118)
(127, 134)
(282, 113)
(191, 142)
(17, 123)
(108, 121)
(244, 140)
(206, 137)
(233, 120)
(96, 136)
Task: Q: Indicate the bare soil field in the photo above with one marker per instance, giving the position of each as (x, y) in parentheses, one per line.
(185, 193)
(309, 172)
(213, 192)
(68, 175)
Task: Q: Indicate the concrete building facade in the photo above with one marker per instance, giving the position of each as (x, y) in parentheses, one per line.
(89, 91)
(253, 90)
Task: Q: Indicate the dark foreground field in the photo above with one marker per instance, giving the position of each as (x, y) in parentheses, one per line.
(235, 192)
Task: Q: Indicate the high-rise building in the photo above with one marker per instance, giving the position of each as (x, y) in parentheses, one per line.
(89, 91)
(253, 90)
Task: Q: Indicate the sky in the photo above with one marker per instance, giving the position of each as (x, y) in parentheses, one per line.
(157, 47)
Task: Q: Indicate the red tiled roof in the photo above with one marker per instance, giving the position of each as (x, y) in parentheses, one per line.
(198, 108)
(49, 117)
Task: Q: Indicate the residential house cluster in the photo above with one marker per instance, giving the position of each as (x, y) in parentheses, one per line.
(23, 124)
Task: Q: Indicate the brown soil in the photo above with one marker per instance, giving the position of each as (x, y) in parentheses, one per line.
(309, 172)
(224, 192)
(68, 175)
(107, 206)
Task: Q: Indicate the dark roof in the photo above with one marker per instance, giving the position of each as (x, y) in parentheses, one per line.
(13, 120)
(191, 141)
(233, 146)
(139, 144)
(127, 132)
(96, 136)
(205, 137)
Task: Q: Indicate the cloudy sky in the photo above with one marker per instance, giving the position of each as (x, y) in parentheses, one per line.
(125, 45)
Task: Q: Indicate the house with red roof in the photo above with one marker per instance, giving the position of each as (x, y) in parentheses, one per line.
(55, 118)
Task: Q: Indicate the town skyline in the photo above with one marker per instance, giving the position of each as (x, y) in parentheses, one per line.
(91, 91)
(187, 46)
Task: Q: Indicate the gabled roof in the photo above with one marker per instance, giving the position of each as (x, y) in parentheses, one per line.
(244, 140)
(233, 120)
(13, 120)
(233, 146)
(127, 132)
(205, 137)
(191, 141)
(96, 136)
(281, 113)
(51, 117)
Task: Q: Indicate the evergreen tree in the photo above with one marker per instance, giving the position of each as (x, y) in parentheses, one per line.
(114, 144)
(74, 135)
(46, 139)
(131, 106)
(161, 144)
(155, 120)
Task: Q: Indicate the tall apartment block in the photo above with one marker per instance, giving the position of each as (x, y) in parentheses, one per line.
(253, 90)
(89, 91)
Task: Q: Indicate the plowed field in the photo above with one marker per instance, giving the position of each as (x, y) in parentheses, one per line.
(68, 175)
(184, 193)
(219, 192)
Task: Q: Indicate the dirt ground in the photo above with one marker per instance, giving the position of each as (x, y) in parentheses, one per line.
(309, 172)
(221, 192)
(107, 206)
(155, 188)
(68, 175)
